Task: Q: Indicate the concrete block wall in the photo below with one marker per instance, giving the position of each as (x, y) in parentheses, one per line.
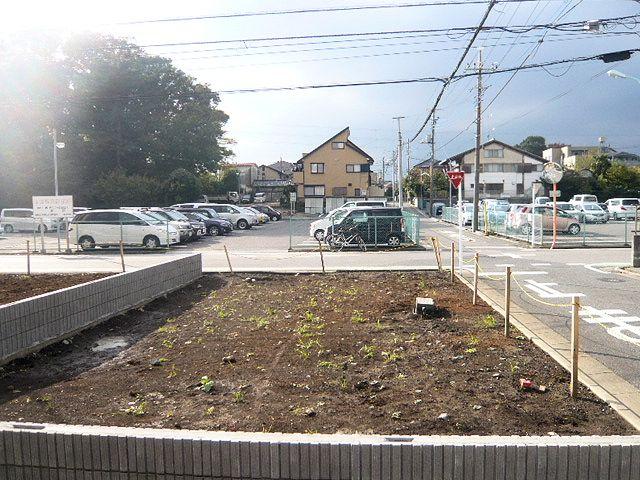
(31, 324)
(62, 451)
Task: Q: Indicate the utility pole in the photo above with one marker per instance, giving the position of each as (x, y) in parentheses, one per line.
(393, 176)
(433, 159)
(399, 162)
(408, 157)
(476, 173)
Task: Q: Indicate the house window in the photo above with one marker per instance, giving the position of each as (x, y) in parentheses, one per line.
(353, 168)
(337, 145)
(494, 188)
(494, 153)
(317, 168)
(339, 191)
(314, 190)
(492, 167)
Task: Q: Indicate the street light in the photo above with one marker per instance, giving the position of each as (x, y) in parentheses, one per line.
(618, 74)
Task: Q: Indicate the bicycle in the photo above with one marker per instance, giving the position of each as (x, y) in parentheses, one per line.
(347, 237)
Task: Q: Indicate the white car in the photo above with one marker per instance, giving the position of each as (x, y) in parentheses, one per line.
(262, 218)
(260, 197)
(179, 221)
(569, 208)
(318, 228)
(21, 219)
(593, 213)
(365, 203)
(622, 207)
(107, 228)
(579, 200)
(241, 219)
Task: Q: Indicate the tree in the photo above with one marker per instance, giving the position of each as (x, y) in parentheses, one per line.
(599, 165)
(417, 183)
(220, 183)
(119, 189)
(182, 186)
(533, 144)
(620, 181)
(115, 107)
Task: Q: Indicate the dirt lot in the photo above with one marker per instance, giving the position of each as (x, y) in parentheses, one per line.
(18, 287)
(308, 353)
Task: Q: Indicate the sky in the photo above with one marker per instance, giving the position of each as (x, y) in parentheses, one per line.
(570, 103)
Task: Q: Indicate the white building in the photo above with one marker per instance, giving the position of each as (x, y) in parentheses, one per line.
(505, 171)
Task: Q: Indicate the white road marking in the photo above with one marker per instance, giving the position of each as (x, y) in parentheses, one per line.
(544, 290)
(523, 272)
(623, 328)
(589, 266)
(505, 265)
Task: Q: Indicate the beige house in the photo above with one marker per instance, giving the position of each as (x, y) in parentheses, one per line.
(333, 172)
(267, 172)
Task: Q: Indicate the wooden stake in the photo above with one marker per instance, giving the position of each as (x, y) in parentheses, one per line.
(226, 252)
(321, 256)
(475, 278)
(28, 258)
(507, 301)
(122, 255)
(575, 344)
(453, 261)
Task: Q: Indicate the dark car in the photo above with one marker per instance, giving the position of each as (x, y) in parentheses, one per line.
(212, 227)
(224, 226)
(376, 225)
(272, 213)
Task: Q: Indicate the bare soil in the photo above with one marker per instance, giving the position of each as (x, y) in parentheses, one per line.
(19, 287)
(308, 353)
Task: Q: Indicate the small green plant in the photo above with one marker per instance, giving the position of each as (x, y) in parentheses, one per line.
(391, 357)
(137, 409)
(167, 343)
(489, 321)
(205, 384)
(422, 284)
(210, 411)
(304, 347)
(368, 351)
(271, 311)
(358, 317)
(471, 350)
(173, 372)
(344, 384)
(168, 329)
(328, 364)
(473, 341)
(514, 367)
(313, 302)
(238, 397)
(222, 313)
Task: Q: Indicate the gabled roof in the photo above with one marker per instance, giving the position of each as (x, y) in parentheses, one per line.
(282, 166)
(349, 144)
(505, 145)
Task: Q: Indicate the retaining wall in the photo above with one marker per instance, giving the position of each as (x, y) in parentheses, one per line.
(59, 451)
(31, 324)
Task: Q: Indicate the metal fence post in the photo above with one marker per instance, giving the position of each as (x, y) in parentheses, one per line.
(68, 250)
(575, 344)
(226, 252)
(475, 278)
(321, 256)
(168, 240)
(375, 231)
(58, 235)
(28, 258)
(507, 301)
(453, 261)
(42, 248)
(290, 233)
(626, 240)
(122, 256)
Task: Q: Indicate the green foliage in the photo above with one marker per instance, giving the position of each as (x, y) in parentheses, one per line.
(205, 384)
(137, 409)
(117, 188)
(417, 182)
(182, 186)
(220, 183)
(533, 144)
(621, 181)
(599, 165)
(489, 321)
(368, 351)
(358, 317)
(116, 108)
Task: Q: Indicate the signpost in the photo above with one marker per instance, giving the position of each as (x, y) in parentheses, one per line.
(58, 207)
(456, 178)
(535, 189)
(292, 201)
(552, 173)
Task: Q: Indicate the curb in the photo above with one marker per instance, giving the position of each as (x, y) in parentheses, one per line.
(623, 397)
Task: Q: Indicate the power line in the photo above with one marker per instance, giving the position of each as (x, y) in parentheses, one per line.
(319, 10)
(455, 70)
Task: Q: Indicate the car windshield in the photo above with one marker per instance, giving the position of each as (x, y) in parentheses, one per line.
(630, 201)
(210, 213)
(502, 207)
(173, 215)
(158, 214)
(593, 207)
(147, 217)
(339, 215)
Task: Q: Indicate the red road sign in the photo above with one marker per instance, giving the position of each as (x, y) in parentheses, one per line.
(456, 178)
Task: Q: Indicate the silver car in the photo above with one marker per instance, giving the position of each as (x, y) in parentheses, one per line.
(593, 213)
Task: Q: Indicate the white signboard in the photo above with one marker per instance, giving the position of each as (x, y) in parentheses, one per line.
(53, 207)
(292, 197)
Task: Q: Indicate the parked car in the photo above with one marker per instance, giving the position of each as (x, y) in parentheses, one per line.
(240, 218)
(273, 214)
(543, 200)
(376, 225)
(318, 228)
(569, 208)
(106, 228)
(438, 208)
(497, 213)
(566, 223)
(467, 213)
(593, 213)
(181, 223)
(21, 219)
(513, 215)
(262, 218)
(220, 226)
(578, 200)
(622, 207)
(246, 198)
(365, 203)
(203, 223)
(260, 197)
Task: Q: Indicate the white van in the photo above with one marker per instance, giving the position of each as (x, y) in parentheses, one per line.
(365, 203)
(622, 207)
(106, 228)
(580, 200)
(240, 218)
(21, 219)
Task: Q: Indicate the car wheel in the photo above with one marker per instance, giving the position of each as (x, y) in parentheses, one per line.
(274, 219)
(243, 224)
(393, 240)
(43, 228)
(214, 231)
(574, 229)
(319, 235)
(525, 229)
(8, 229)
(87, 243)
(151, 242)
(328, 239)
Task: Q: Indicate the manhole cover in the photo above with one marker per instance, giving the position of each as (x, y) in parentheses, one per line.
(612, 280)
